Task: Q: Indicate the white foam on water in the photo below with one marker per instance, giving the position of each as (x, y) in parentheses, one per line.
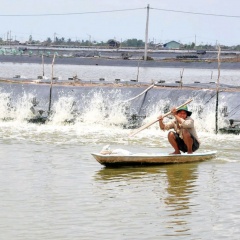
(96, 114)
(101, 117)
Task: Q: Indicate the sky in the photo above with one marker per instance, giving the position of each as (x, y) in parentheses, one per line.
(101, 20)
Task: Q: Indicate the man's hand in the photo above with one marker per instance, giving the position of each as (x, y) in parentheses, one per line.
(160, 118)
(161, 124)
(174, 111)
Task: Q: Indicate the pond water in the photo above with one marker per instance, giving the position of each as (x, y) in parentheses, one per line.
(52, 188)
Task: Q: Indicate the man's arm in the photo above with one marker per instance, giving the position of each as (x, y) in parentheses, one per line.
(161, 124)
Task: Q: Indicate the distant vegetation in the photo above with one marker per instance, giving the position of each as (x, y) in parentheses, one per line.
(61, 41)
(134, 43)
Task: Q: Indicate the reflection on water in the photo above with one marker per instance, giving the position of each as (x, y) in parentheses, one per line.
(110, 73)
(181, 180)
(179, 184)
(119, 174)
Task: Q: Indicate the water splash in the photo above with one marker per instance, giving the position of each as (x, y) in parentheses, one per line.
(94, 114)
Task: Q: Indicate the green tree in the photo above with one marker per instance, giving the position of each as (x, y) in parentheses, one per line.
(49, 40)
(133, 43)
(192, 45)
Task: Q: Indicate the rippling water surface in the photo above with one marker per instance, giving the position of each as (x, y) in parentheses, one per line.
(52, 188)
(110, 73)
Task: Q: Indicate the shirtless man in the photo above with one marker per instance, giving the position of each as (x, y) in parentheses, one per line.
(184, 137)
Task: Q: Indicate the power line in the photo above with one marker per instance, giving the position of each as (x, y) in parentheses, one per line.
(119, 10)
(63, 14)
(197, 13)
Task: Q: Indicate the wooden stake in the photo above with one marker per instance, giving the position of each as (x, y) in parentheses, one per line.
(217, 90)
(50, 94)
(137, 71)
(43, 65)
(181, 76)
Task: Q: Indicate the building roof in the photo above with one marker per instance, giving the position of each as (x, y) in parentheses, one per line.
(171, 42)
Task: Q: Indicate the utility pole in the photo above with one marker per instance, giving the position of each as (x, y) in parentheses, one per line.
(89, 41)
(54, 37)
(10, 39)
(146, 34)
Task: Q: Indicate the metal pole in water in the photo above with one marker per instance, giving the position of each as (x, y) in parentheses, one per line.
(43, 64)
(146, 34)
(50, 94)
(217, 90)
(138, 71)
(181, 76)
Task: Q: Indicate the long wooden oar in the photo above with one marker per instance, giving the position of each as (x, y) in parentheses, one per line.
(151, 123)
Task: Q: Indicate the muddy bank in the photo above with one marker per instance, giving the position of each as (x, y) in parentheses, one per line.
(162, 63)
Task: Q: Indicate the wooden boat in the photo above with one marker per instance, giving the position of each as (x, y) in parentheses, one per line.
(151, 159)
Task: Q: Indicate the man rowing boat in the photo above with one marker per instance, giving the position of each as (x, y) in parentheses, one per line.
(184, 137)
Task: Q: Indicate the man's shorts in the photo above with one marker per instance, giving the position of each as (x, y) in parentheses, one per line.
(182, 146)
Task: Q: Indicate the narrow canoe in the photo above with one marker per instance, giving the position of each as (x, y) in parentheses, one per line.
(151, 159)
